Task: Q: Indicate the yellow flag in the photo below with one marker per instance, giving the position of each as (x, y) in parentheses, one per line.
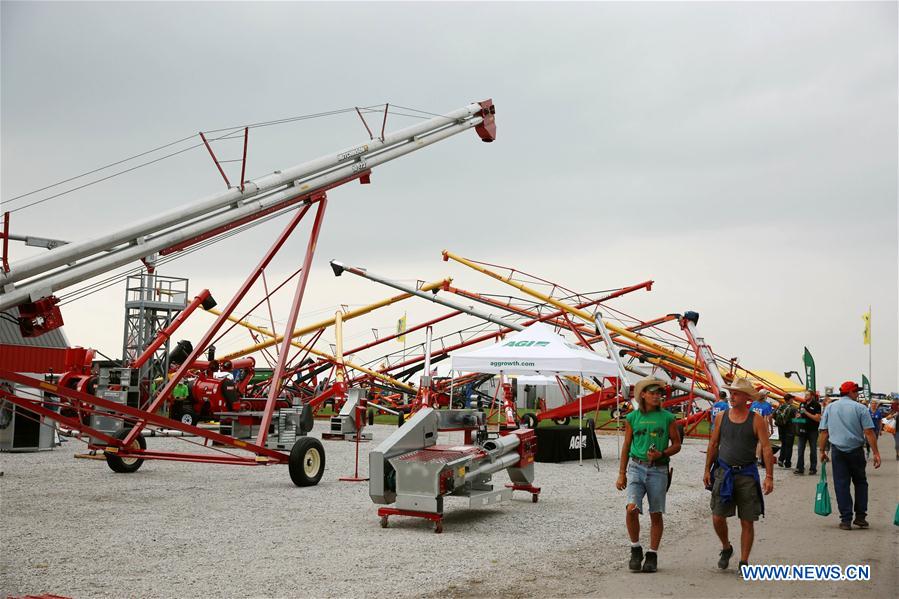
(867, 334)
(401, 329)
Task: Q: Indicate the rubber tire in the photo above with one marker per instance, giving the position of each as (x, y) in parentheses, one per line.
(562, 421)
(680, 431)
(296, 463)
(194, 419)
(590, 424)
(400, 420)
(120, 466)
(529, 420)
(307, 418)
(371, 417)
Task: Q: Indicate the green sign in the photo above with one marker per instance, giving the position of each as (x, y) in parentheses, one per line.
(809, 362)
(866, 387)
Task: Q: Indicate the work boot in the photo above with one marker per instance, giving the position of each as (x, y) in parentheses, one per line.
(651, 563)
(724, 557)
(845, 526)
(860, 522)
(636, 559)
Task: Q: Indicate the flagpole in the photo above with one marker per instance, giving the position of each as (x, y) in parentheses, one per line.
(869, 347)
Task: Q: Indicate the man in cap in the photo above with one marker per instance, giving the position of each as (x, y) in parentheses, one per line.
(731, 471)
(650, 438)
(807, 421)
(783, 418)
(846, 424)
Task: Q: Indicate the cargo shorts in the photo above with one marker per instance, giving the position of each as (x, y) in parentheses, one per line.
(745, 501)
(651, 481)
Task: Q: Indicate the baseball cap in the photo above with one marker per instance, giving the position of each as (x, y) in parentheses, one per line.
(849, 387)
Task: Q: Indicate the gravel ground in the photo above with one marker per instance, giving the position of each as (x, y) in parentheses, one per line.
(74, 528)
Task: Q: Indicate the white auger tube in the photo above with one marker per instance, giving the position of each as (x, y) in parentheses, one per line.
(89, 258)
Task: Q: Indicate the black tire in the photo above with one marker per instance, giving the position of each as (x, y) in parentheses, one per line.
(529, 420)
(590, 424)
(189, 417)
(371, 417)
(307, 462)
(400, 420)
(307, 418)
(680, 431)
(126, 465)
(562, 421)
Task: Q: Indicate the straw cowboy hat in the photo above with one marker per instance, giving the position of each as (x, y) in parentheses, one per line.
(645, 383)
(744, 386)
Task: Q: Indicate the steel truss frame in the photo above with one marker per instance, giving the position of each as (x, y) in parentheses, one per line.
(138, 419)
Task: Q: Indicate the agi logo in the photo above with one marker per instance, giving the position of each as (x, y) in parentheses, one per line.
(525, 343)
(578, 442)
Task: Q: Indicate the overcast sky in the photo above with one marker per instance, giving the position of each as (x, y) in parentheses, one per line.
(742, 155)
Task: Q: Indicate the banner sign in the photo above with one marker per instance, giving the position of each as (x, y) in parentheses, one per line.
(809, 362)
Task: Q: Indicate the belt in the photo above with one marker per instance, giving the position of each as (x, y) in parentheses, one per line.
(740, 466)
(645, 463)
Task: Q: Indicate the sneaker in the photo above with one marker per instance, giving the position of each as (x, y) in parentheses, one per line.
(812, 472)
(636, 559)
(651, 563)
(740, 568)
(845, 526)
(780, 463)
(799, 472)
(860, 522)
(724, 557)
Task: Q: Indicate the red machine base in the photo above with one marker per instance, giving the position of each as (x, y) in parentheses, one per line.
(534, 491)
(437, 519)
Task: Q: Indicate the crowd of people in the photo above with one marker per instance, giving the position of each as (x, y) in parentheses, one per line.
(842, 431)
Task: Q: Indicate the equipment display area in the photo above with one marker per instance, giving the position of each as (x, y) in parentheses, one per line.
(170, 508)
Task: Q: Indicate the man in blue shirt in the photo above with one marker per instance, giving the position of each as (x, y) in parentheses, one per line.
(717, 407)
(877, 419)
(846, 424)
(761, 407)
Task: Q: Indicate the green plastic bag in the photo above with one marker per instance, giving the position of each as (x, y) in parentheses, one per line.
(822, 495)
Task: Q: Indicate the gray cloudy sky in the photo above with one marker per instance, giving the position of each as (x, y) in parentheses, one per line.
(743, 155)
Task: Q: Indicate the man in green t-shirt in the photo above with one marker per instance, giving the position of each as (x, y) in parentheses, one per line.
(650, 438)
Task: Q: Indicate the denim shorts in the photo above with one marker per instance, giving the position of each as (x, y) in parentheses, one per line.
(651, 481)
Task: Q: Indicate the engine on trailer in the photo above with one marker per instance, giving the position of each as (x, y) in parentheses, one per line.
(410, 469)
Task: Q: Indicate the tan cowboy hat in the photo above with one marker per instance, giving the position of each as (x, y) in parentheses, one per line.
(645, 383)
(744, 386)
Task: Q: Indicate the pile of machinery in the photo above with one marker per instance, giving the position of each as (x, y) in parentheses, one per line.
(110, 409)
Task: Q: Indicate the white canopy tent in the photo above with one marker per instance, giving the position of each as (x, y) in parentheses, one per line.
(536, 350)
